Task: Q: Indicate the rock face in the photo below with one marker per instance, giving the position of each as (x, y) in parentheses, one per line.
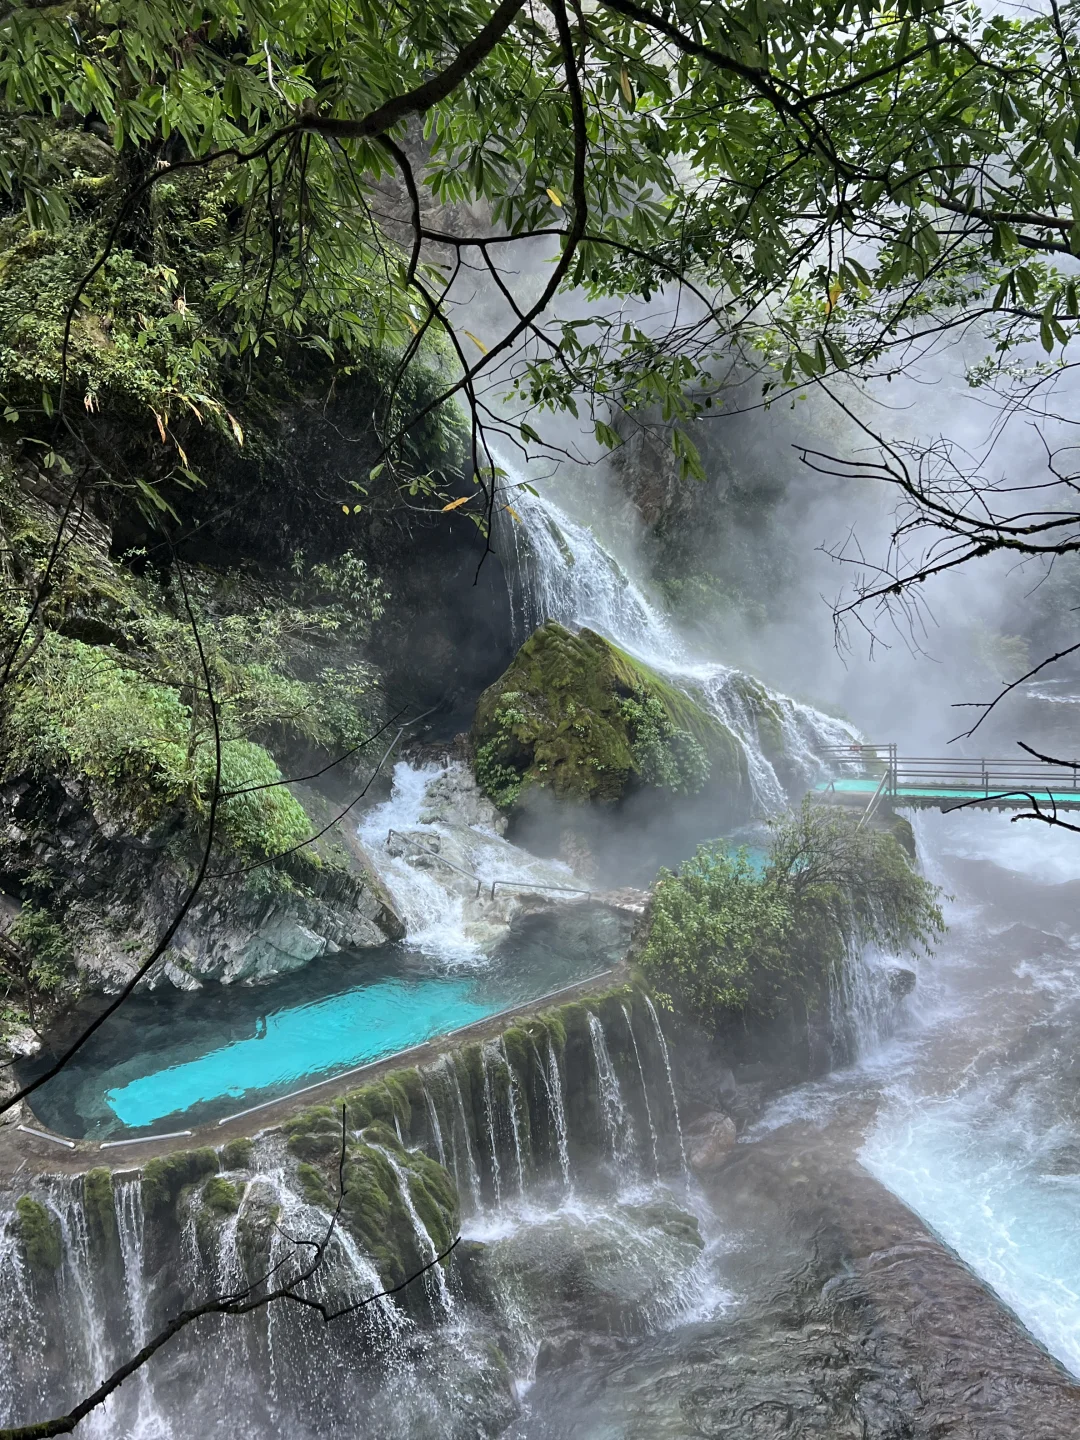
(708, 1141)
(119, 892)
(578, 717)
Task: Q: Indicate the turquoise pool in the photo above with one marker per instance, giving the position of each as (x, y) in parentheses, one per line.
(172, 1059)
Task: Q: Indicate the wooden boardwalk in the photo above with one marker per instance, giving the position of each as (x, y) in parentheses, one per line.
(866, 776)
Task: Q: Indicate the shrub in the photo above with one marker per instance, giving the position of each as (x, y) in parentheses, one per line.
(727, 940)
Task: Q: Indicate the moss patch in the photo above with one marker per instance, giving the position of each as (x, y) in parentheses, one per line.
(578, 716)
(39, 1234)
(237, 1155)
(164, 1177)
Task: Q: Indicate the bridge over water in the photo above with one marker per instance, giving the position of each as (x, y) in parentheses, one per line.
(867, 776)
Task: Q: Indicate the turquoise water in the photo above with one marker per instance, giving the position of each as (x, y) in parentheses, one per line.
(173, 1059)
(302, 1041)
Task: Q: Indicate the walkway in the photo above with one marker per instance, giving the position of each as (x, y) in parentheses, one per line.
(871, 775)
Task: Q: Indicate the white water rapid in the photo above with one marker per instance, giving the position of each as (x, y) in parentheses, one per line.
(454, 880)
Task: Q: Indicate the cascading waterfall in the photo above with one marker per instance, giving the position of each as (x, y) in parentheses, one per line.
(553, 1090)
(662, 1041)
(617, 1122)
(113, 1299)
(441, 873)
(644, 1091)
(562, 572)
(436, 1128)
(434, 1276)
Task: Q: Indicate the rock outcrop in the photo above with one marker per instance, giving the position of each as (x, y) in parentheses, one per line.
(576, 716)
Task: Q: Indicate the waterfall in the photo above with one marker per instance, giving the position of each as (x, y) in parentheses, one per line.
(440, 871)
(513, 1100)
(670, 1080)
(564, 573)
(436, 1128)
(489, 1115)
(645, 1093)
(446, 1068)
(557, 1110)
(617, 1122)
(861, 1004)
(434, 1278)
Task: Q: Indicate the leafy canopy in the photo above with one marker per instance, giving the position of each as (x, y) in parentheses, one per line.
(816, 176)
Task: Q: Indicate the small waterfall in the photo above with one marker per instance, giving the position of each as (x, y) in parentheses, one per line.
(617, 1122)
(861, 1004)
(446, 1068)
(513, 1100)
(131, 1227)
(435, 1278)
(670, 1080)
(645, 1093)
(436, 1128)
(440, 872)
(557, 1110)
(489, 1116)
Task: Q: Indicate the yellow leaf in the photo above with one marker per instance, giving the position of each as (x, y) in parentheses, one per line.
(90, 401)
(180, 452)
(478, 343)
(160, 426)
(834, 296)
(345, 508)
(412, 325)
(625, 86)
(554, 197)
(455, 503)
(237, 432)
(181, 305)
(512, 513)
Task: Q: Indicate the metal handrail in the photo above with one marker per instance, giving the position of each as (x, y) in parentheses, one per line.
(480, 882)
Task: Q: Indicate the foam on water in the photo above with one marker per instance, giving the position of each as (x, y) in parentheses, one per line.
(440, 874)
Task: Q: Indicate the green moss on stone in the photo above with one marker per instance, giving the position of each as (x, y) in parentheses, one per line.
(237, 1155)
(99, 1206)
(562, 717)
(221, 1195)
(165, 1176)
(39, 1235)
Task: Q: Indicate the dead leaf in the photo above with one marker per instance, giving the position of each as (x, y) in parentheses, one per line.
(625, 86)
(554, 197)
(834, 295)
(160, 426)
(512, 513)
(478, 343)
(236, 430)
(455, 503)
(183, 456)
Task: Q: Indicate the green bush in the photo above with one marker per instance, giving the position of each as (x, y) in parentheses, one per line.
(727, 939)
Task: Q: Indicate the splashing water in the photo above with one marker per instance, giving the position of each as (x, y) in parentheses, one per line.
(441, 874)
(670, 1080)
(617, 1121)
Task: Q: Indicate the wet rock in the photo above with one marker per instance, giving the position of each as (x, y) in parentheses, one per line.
(708, 1140)
(900, 980)
(573, 1347)
(608, 1270)
(454, 798)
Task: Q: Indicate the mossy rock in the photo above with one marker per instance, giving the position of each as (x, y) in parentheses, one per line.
(767, 718)
(562, 718)
(100, 1207)
(39, 1234)
(237, 1154)
(164, 1177)
(221, 1196)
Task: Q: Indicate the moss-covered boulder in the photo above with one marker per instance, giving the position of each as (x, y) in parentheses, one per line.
(576, 715)
(39, 1235)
